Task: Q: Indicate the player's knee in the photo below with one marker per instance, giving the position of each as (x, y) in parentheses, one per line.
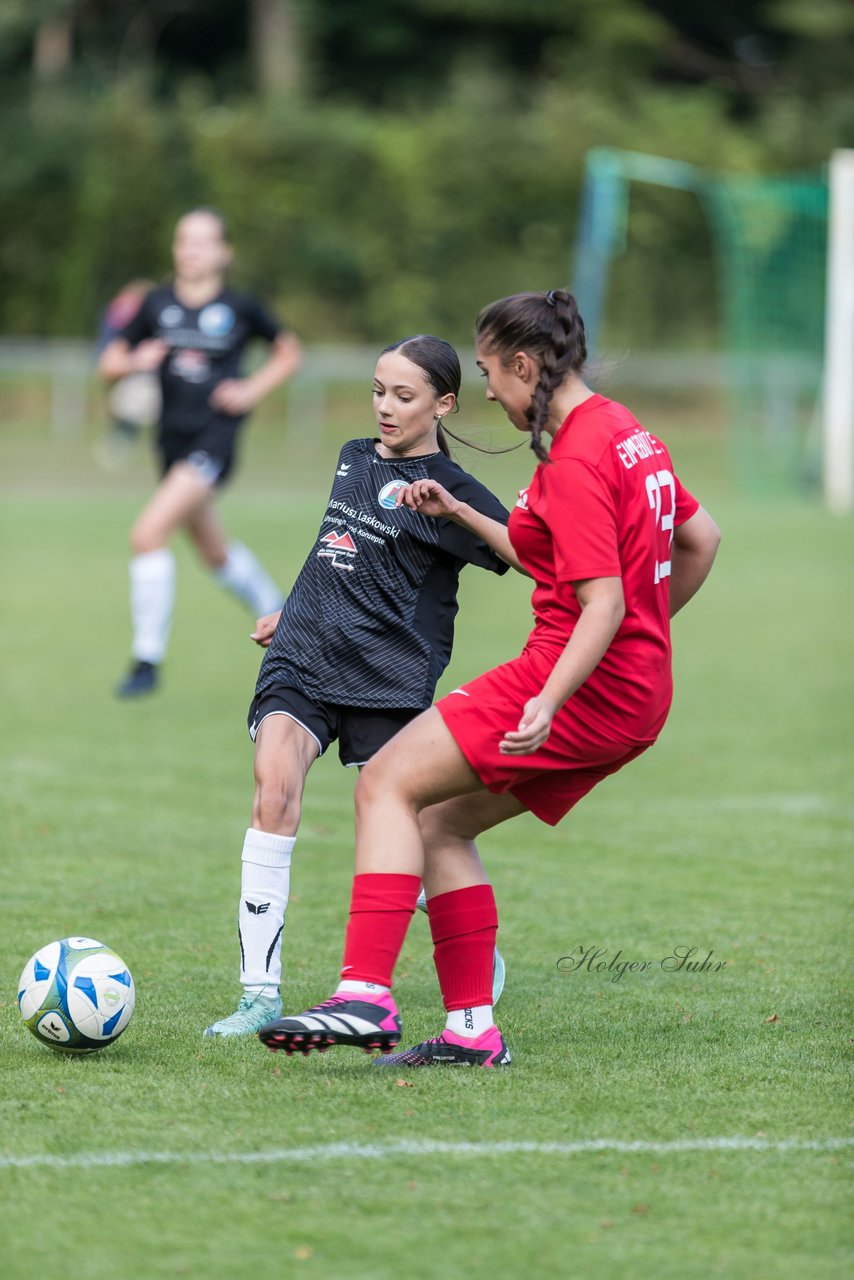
(276, 805)
(433, 827)
(144, 539)
(378, 782)
(441, 822)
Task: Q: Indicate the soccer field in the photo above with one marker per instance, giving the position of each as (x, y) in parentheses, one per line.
(657, 1122)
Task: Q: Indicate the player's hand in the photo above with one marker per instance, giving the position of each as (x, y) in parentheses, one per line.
(264, 628)
(149, 355)
(534, 728)
(234, 395)
(428, 498)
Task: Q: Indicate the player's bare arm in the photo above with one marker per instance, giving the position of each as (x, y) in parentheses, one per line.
(119, 359)
(429, 498)
(695, 545)
(264, 629)
(239, 395)
(602, 610)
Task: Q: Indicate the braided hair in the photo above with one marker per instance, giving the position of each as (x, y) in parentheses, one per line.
(546, 326)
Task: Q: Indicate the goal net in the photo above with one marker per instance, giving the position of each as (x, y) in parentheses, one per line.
(769, 239)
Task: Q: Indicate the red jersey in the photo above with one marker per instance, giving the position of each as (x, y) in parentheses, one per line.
(605, 505)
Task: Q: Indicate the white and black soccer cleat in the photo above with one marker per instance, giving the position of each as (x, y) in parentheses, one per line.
(343, 1019)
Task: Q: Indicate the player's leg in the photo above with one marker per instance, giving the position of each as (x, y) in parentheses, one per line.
(434, 836)
(463, 923)
(285, 750)
(233, 565)
(422, 765)
(179, 495)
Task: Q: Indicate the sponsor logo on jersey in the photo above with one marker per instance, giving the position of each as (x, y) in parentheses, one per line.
(522, 500)
(171, 315)
(388, 493)
(343, 469)
(191, 366)
(216, 320)
(340, 549)
(364, 517)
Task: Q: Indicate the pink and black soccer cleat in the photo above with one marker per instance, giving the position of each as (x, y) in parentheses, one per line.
(342, 1019)
(450, 1050)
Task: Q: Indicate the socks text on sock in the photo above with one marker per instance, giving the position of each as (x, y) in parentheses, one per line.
(356, 988)
(471, 1022)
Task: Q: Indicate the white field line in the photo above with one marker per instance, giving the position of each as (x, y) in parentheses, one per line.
(387, 1150)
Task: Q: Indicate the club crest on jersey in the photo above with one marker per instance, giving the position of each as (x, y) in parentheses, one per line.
(216, 320)
(388, 493)
(171, 315)
(340, 549)
(522, 500)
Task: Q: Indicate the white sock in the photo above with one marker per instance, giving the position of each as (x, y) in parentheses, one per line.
(152, 594)
(350, 986)
(243, 575)
(470, 1023)
(264, 885)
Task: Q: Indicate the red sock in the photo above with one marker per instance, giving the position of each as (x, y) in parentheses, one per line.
(380, 910)
(464, 923)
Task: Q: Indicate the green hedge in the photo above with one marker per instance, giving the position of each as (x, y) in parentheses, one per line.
(358, 224)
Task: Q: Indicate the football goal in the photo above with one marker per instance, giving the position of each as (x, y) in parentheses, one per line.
(783, 247)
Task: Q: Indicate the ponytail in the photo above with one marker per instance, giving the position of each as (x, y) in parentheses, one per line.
(547, 326)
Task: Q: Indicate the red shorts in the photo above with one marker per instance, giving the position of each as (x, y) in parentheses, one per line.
(554, 778)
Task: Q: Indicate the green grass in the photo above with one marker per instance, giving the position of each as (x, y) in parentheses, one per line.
(732, 835)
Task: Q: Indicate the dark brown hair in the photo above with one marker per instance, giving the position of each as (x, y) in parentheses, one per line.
(440, 364)
(546, 326)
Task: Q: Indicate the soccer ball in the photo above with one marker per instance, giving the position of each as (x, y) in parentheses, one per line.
(76, 995)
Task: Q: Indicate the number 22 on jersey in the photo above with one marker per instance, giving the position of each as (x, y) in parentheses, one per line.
(661, 492)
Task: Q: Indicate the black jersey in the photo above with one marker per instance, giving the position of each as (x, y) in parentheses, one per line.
(206, 345)
(370, 619)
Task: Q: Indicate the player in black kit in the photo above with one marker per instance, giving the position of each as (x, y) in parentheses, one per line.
(362, 639)
(193, 331)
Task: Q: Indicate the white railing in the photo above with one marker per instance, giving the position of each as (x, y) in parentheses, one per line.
(68, 366)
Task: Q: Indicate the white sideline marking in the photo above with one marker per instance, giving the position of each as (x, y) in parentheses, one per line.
(384, 1150)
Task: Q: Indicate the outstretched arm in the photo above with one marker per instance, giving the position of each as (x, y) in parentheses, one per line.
(430, 498)
(695, 545)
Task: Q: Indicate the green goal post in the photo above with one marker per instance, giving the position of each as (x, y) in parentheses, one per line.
(785, 266)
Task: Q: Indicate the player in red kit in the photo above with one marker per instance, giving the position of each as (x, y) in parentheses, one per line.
(615, 545)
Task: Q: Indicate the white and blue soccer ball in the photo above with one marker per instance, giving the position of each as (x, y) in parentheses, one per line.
(76, 995)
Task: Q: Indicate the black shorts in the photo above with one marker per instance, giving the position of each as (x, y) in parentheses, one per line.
(211, 452)
(360, 731)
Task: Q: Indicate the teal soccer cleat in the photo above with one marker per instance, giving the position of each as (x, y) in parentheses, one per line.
(253, 1013)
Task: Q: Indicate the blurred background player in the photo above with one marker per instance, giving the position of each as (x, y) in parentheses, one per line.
(616, 546)
(362, 640)
(133, 402)
(193, 332)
